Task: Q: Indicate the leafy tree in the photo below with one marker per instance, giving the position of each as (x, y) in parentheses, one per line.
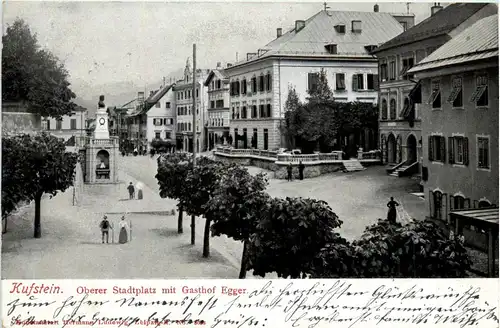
(172, 172)
(33, 75)
(40, 165)
(322, 92)
(292, 105)
(235, 206)
(200, 185)
(291, 232)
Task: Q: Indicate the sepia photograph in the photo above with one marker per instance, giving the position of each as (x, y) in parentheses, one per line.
(249, 140)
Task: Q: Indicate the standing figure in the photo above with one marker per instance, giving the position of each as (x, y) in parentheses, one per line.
(123, 237)
(391, 214)
(301, 170)
(105, 226)
(139, 187)
(289, 169)
(131, 191)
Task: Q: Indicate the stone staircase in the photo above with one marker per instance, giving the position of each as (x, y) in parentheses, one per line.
(398, 170)
(352, 165)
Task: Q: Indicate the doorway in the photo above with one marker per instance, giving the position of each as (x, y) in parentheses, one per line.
(411, 149)
(391, 149)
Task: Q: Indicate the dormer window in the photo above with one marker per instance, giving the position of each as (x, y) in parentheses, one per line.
(356, 26)
(340, 28)
(370, 48)
(331, 48)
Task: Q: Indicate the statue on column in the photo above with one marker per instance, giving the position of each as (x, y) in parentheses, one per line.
(101, 104)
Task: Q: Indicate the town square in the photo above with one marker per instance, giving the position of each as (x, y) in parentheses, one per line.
(358, 141)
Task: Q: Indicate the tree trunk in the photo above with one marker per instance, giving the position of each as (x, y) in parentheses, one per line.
(193, 226)
(4, 226)
(206, 239)
(179, 221)
(243, 269)
(38, 228)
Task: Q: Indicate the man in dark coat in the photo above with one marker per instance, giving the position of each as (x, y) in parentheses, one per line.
(301, 170)
(289, 169)
(392, 214)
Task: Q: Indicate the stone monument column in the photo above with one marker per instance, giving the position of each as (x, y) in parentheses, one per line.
(101, 123)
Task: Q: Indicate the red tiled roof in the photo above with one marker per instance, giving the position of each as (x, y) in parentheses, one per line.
(443, 22)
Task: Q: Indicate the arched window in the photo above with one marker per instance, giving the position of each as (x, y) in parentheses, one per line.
(189, 126)
(458, 202)
(384, 109)
(244, 112)
(438, 205)
(393, 109)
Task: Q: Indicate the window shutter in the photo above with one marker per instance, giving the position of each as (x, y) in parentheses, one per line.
(466, 151)
(443, 149)
(452, 202)
(430, 147)
(431, 204)
(445, 208)
(355, 82)
(451, 154)
(375, 82)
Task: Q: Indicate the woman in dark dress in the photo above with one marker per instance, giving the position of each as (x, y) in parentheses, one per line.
(391, 215)
(123, 237)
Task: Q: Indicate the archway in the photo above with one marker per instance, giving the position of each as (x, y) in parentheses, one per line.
(411, 149)
(102, 159)
(391, 149)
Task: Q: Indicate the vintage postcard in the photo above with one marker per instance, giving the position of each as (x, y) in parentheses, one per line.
(250, 164)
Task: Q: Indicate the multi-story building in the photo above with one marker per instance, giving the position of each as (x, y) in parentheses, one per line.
(136, 121)
(460, 120)
(69, 127)
(218, 107)
(184, 110)
(160, 111)
(338, 42)
(400, 126)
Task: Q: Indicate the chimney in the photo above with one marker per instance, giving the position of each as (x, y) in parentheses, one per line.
(299, 24)
(229, 64)
(219, 66)
(279, 32)
(250, 55)
(375, 8)
(437, 7)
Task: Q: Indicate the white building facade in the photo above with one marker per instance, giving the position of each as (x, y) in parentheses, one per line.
(218, 107)
(161, 115)
(338, 42)
(68, 126)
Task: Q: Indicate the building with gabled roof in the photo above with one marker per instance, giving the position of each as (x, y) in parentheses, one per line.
(160, 115)
(459, 84)
(400, 124)
(340, 42)
(218, 107)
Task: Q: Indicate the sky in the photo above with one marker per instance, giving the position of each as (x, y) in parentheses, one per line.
(138, 43)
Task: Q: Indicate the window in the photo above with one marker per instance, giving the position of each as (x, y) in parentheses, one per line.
(189, 94)
(437, 149)
(393, 109)
(218, 84)
(244, 112)
(458, 148)
(438, 205)
(167, 135)
(261, 111)
(356, 26)
(384, 109)
(383, 72)
(435, 97)
(59, 124)
(254, 111)
(458, 202)
(178, 126)
(158, 105)
(233, 114)
(268, 110)
(331, 48)
(357, 82)
(157, 135)
(197, 93)
(46, 125)
(483, 152)
(212, 104)
(167, 104)
(261, 83)
(392, 70)
(456, 95)
(340, 81)
(340, 29)
(254, 84)
(219, 103)
(244, 87)
(189, 127)
(269, 82)
(480, 94)
(483, 204)
(73, 124)
(372, 82)
(405, 25)
(312, 81)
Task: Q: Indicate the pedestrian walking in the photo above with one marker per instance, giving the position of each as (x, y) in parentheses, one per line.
(139, 187)
(123, 236)
(289, 171)
(301, 170)
(131, 190)
(392, 213)
(105, 226)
